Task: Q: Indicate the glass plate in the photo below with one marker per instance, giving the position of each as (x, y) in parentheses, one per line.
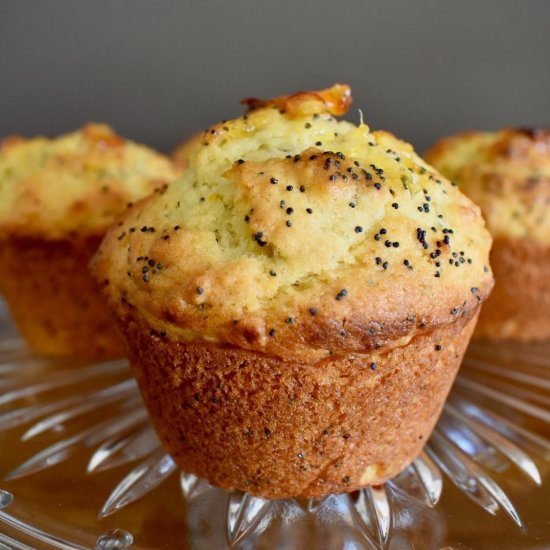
(80, 467)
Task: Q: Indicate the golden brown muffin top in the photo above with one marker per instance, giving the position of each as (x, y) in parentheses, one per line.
(294, 233)
(76, 183)
(507, 173)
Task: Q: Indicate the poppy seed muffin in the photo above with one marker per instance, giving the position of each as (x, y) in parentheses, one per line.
(507, 173)
(57, 199)
(297, 305)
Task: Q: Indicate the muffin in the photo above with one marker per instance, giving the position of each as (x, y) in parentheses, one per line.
(297, 305)
(57, 199)
(507, 173)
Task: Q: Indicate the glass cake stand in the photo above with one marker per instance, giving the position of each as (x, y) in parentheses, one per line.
(81, 468)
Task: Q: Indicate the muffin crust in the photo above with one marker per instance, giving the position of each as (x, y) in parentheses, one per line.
(519, 307)
(281, 428)
(57, 305)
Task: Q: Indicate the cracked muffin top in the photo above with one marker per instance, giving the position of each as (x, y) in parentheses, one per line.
(295, 233)
(76, 183)
(507, 173)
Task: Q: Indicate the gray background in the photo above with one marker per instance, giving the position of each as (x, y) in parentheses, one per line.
(160, 70)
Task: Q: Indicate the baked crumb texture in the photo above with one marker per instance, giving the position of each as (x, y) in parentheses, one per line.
(304, 274)
(507, 173)
(57, 199)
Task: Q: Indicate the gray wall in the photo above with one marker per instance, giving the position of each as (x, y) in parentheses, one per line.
(159, 70)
